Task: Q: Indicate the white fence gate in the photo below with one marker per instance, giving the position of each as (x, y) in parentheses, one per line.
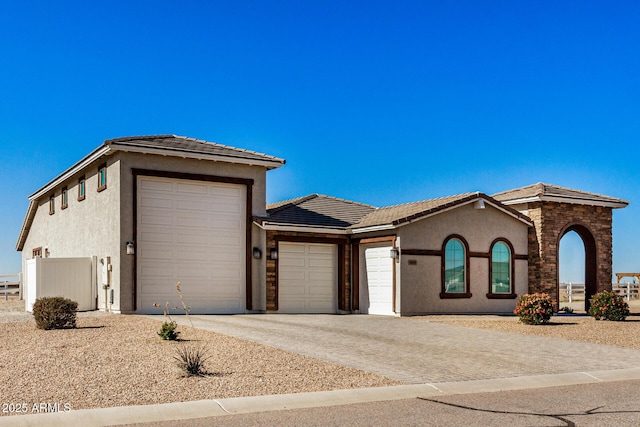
(73, 278)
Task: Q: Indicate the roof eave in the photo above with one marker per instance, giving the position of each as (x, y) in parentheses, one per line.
(265, 225)
(96, 154)
(269, 164)
(26, 225)
(614, 204)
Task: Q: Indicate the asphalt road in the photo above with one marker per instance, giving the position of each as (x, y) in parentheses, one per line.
(603, 404)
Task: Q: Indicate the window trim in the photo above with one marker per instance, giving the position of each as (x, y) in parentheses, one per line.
(64, 202)
(443, 258)
(102, 186)
(512, 266)
(82, 188)
(52, 204)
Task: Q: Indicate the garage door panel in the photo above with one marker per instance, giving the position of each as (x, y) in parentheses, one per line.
(192, 232)
(307, 278)
(321, 249)
(321, 263)
(157, 218)
(291, 276)
(321, 276)
(194, 188)
(157, 235)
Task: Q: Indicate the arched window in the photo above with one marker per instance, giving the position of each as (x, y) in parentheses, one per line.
(455, 280)
(501, 270)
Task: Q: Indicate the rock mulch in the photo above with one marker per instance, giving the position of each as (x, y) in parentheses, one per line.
(118, 360)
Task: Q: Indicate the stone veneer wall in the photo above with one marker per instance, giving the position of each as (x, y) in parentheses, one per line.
(344, 297)
(550, 220)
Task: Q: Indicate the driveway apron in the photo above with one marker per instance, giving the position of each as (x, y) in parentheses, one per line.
(414, 350)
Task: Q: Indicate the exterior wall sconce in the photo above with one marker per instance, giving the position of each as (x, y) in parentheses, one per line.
(130, 248)
(257, 253)
(394, 253)
(273, 254)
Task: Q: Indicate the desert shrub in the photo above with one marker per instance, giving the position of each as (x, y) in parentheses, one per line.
(607, 305)
(191, 359)
(55, 313)
(168, 331)
(534, 309)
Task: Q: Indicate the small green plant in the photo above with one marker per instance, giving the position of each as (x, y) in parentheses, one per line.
(534, 309)
(607, 305)
(168, 331)
(55, 313)
(566, 309)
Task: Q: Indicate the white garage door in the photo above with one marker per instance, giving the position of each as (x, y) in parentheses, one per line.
(377, 289)
(307, 278)
(191, 232)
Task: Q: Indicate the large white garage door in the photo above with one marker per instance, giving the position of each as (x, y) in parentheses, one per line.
(191, 232)
(377, 289)
(307, 278)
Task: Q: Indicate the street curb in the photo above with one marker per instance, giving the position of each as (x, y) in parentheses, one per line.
(243, 405)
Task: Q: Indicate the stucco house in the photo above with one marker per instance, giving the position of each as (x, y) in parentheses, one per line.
(161, 209)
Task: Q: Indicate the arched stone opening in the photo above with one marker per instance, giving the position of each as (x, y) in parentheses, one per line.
(554, 212)
(590, 261)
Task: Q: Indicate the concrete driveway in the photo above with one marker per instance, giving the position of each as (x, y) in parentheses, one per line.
(416, 351)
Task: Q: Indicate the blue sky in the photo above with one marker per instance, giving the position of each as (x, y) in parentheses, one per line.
(382, 102)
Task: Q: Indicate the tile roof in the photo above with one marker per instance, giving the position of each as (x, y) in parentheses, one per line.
(398, 214)
(549, 192)
(182, 144)
(317, 210)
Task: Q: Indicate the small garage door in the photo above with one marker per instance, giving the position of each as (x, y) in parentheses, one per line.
(191, 232)
(307, 278)
(377, 290)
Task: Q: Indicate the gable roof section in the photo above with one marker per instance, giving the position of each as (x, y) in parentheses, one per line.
(317, 211)
(398, 215)
(541, 192)
(166, 145)
(182, 146)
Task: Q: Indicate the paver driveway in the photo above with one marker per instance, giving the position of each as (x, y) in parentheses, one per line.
(414, 350)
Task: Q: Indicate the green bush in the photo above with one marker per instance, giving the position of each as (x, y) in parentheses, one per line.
(607, 305)
(534, 309)
(168, 331)
(55, 313)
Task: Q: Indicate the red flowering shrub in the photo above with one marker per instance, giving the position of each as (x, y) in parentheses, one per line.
(534, 309)
(607, 305)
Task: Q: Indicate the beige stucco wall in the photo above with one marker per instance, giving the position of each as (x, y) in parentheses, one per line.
(86, 228)
(420, 288)
(101, 224)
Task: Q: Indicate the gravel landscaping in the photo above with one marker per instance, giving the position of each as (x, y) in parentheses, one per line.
(117, 360)
(570, 327)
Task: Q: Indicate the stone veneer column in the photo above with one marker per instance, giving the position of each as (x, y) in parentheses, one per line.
(550, 221)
